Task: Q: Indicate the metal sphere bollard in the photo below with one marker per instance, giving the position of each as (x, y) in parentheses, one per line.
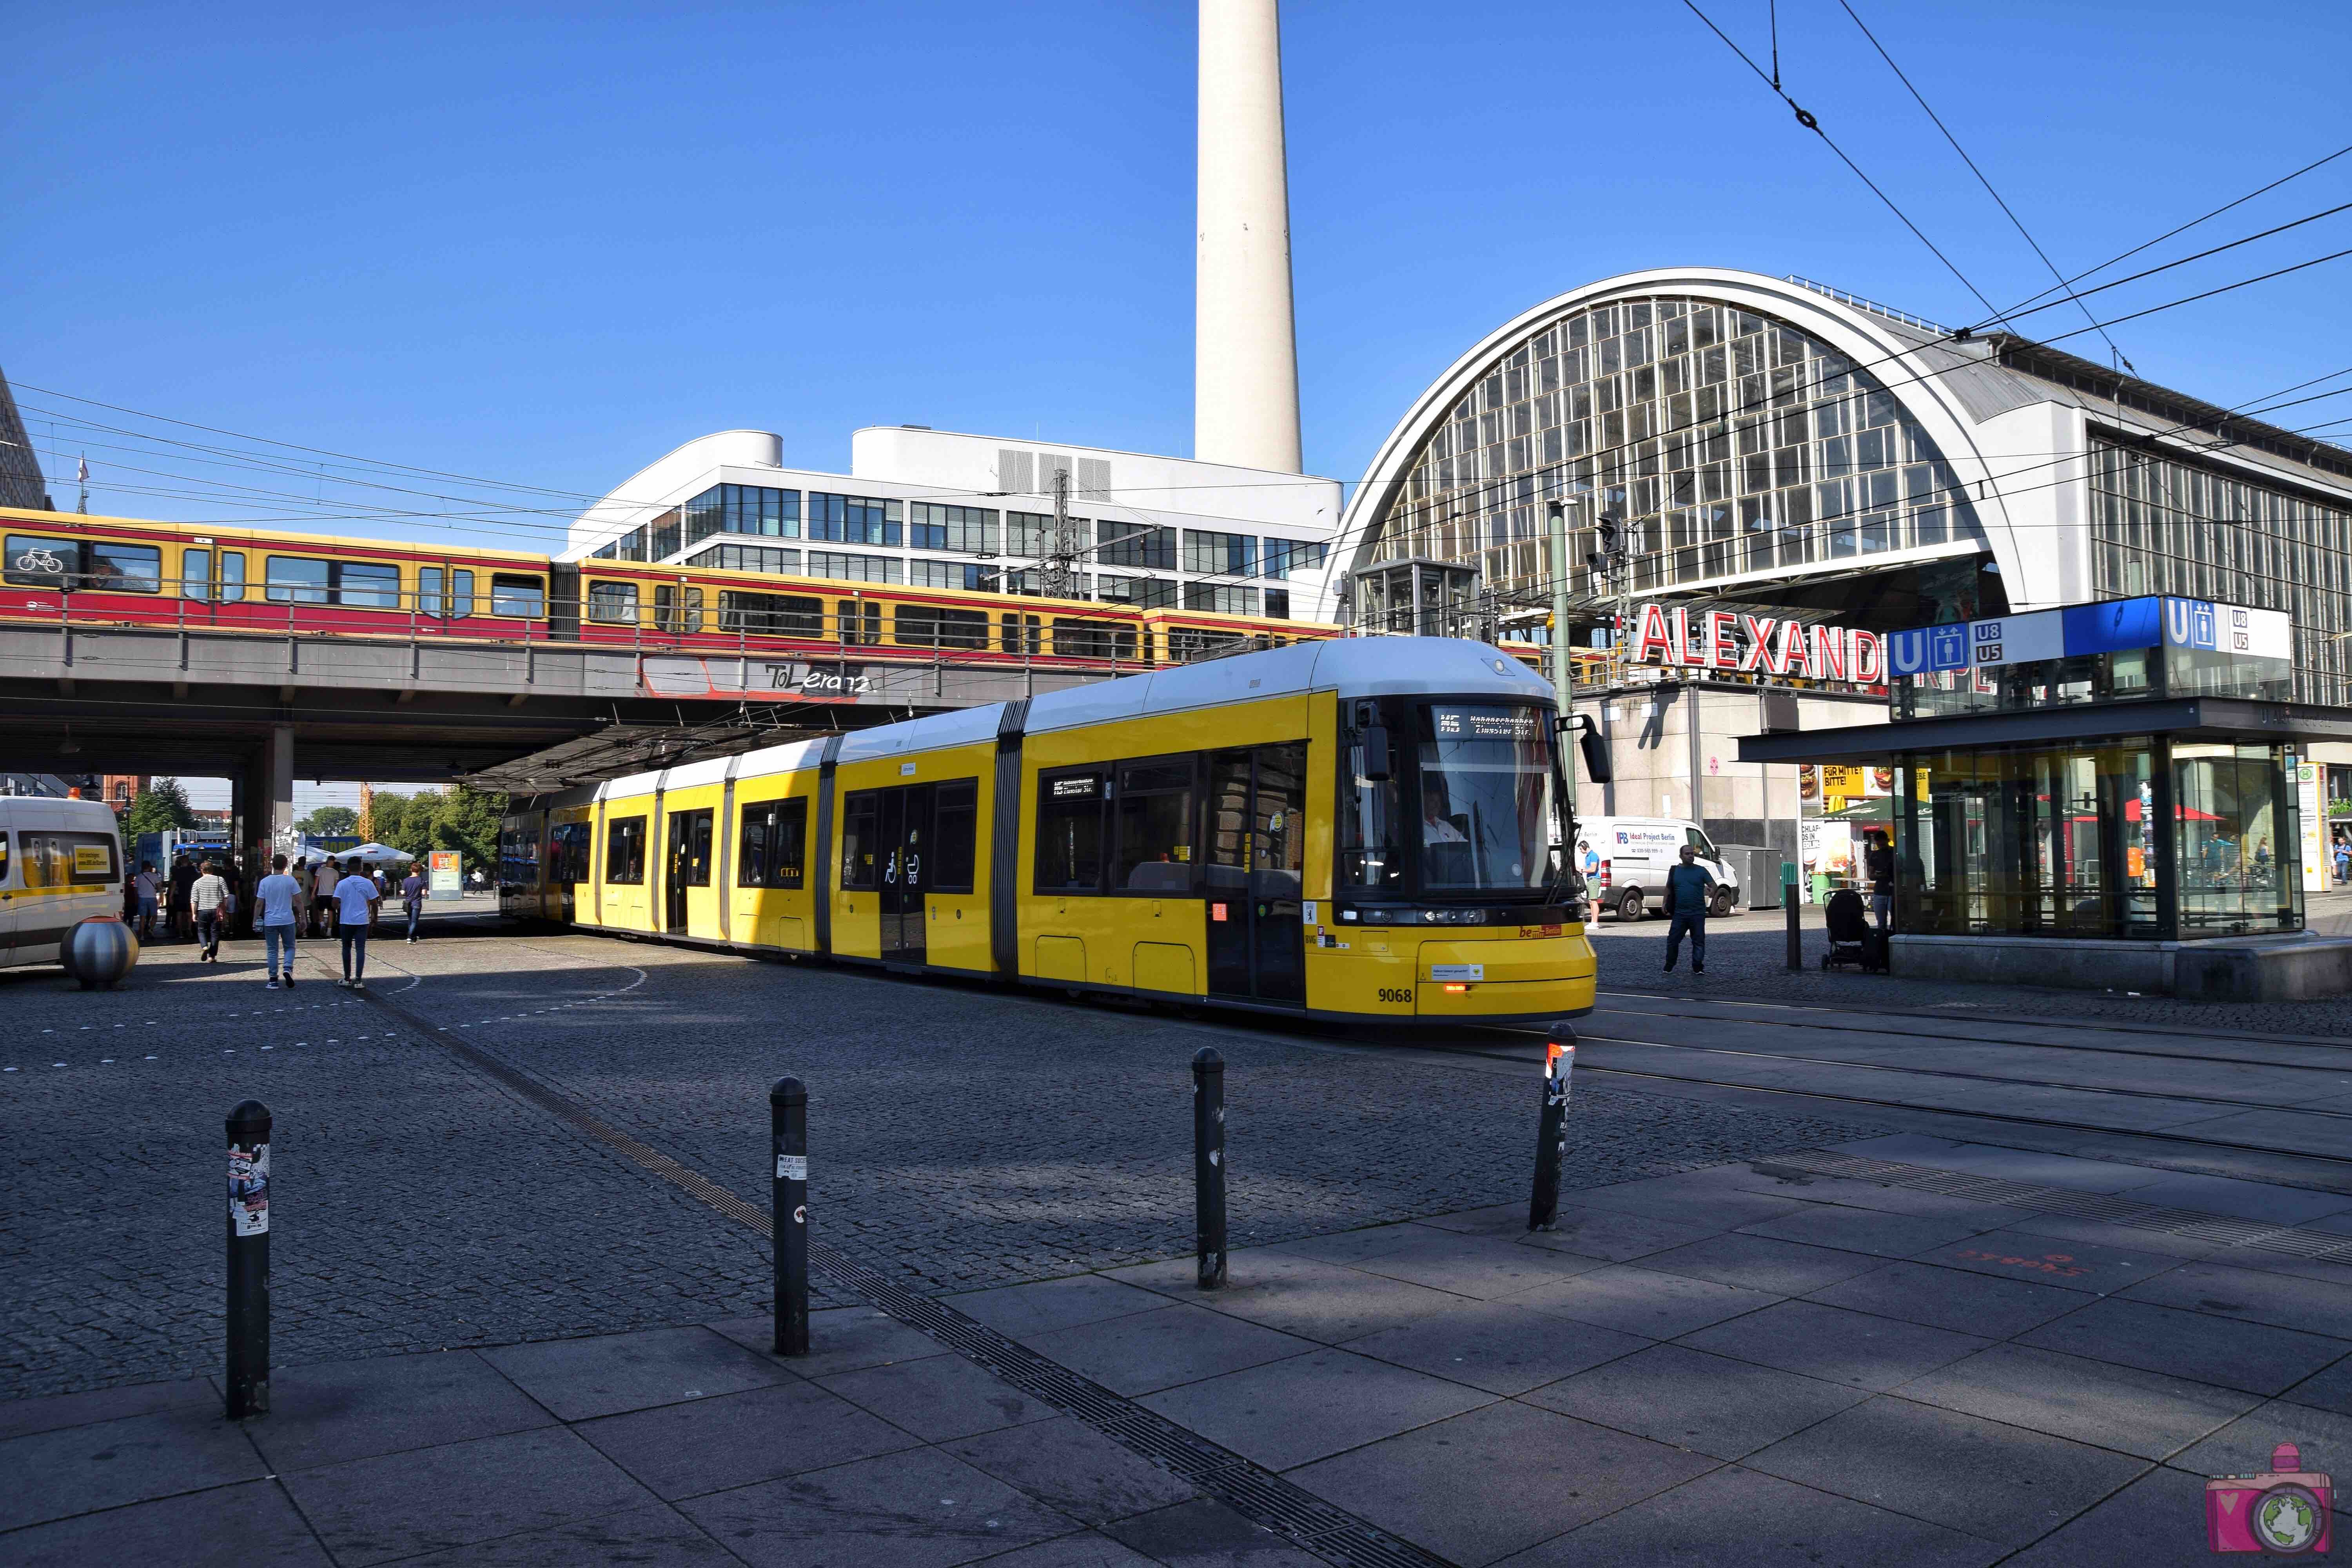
(98, 951)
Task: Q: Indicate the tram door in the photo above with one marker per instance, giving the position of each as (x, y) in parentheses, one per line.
(689, 865)
(1256, 871)
(905, 853)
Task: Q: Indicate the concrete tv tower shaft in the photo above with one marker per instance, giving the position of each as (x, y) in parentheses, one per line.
(1246, 348)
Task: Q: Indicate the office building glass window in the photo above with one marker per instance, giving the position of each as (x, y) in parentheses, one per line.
(969, 529)
(856, 568)
(1283, 557)
(1220, 598)
(750, 558)
(1143, 593)
(1221, 553)
(1720, 441)
(1135, 544)
(1032, 534)
(855, 519)
(743, 508)
(662, 535)
(967, 575)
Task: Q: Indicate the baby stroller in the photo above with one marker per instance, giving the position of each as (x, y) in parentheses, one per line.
(1853, 939)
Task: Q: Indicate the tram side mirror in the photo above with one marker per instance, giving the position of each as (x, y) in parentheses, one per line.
(1596, 756)
(1380, 758)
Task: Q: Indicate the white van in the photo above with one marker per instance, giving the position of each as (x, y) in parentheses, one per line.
(1636, 852)
(60, 863)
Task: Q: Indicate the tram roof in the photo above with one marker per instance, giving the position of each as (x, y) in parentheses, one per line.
(1352, 666)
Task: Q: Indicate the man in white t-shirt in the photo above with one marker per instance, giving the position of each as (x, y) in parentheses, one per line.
(322, 897)
(276, 901)
(355, 900)
(208, 898)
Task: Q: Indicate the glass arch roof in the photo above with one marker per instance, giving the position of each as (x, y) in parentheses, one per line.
(1724, 442)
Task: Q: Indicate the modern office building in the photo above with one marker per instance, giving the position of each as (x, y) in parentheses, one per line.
(1772, 448)
(933, 509)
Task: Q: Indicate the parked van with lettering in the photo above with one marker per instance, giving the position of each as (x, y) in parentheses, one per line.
(1636, 852)
(60, 862)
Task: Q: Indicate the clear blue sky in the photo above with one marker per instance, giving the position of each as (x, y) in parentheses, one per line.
(547, 246)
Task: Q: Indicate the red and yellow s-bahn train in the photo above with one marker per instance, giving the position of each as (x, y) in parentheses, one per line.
(123, 571)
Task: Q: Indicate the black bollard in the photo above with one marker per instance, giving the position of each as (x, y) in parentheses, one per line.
(1208, 1164)
(248, 1260)
(788, 1133)
(1551, 1135)
(1788, 908)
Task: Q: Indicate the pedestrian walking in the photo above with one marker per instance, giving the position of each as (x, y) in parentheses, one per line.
(323, 897)
(2343, 859)
(1689, 886)
(208, 895)
(276, 901)
(1878, 861)
(176, 913)
(357, 899)
(150, 885)
(412, 898)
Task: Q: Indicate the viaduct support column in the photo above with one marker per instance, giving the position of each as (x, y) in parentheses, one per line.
(265, 804)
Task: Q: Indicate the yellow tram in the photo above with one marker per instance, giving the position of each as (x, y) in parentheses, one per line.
(1352, 828)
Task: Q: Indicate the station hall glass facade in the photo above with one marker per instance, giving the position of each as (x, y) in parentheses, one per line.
(1723, 441)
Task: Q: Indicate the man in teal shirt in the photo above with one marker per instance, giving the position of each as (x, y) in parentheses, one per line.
(1688, 887)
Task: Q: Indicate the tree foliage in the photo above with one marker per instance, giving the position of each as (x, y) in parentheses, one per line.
(330, 821)
(466, 820)
(163, 804)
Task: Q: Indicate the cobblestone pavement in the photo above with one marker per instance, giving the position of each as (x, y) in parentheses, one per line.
(1748, 959)
(961, 1138)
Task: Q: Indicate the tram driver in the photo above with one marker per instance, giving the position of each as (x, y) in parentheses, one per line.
(1436, 827)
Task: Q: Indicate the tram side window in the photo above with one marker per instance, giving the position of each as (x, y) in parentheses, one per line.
(773, 847)
(955, 807)
(4, 857)
(861, 832)
(1070, 832)
(523, 598)
(625, 851)
(568, 853)
(1155, 827)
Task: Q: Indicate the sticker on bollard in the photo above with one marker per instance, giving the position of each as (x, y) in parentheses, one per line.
(791, 1167)
(249, 1189)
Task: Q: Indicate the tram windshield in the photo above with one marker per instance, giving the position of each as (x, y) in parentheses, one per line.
(1486, 808)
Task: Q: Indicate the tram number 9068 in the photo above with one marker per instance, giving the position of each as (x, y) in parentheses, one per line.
(1396, 994)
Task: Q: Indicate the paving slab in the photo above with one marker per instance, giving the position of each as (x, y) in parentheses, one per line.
(1834, 1345)
(1759, 1263)
(1177, 1344)
(2147, 1414)
(734, 1439)
(2013, 1164)
(1963, 1472)
(356, 1409)
(1074, 1469)
(1839, 1192)
(1633, 1300)
(1498, 1346)
(2088, 1267)
(2246, 1200)
(578, 1379)
(1953, 1299)
(2327, 1389)
(1714, 1208)
(937, 1399)
(1019, 1310)
(632, 1538)
(1321, 1302)
(1692, 1400)
(1867, 1230)
(2252, 1296)
(1497, 1480)
(2250, 1356)
(52, 1412)
(182, 1448)
(2243, 1447)
(459, 1495)
(1484, 1267)
(1495, 1219)
(1353, 1245)
(1089, 1549)
(1292, 1412)
(1775, 1523)
(840, 1339)
(2158, 1522)
(1614, 1234)
(919, 1509)
(1204, 1533)
(250, 1524)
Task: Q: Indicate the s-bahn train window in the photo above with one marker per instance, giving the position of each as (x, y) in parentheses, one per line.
(956, 822)
(524, 599)
(861, 623)
(615, 604)
(1024, 634)
(772, 615)
(625, 851)
(1093, 639)
(460, 599)
(37, 562)
(366, 585)
(294, 580)
(1070, 832)
(125, 568)
(861, 835)
(677, 609)
(1486, 797)
(921, 626)
(774, 843)
(196, 575)
(1155, 827)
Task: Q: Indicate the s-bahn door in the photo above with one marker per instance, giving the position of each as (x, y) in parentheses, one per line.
(1256, 871)
(906, 847)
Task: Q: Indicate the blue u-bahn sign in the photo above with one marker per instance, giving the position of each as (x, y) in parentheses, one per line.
(2109, 626)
